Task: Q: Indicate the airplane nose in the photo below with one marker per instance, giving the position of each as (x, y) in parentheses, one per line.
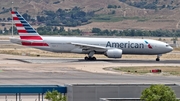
(170, 48)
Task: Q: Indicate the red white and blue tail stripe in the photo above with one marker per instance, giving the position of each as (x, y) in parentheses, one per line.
(26, 31)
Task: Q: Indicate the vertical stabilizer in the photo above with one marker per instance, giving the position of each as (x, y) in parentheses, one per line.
(25, 30)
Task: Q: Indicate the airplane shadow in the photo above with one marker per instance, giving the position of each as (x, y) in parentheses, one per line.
(133, 61)
(60, 60)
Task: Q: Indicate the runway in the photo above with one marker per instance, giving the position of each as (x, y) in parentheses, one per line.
(5, 42)
(48, 70)
(60, 60)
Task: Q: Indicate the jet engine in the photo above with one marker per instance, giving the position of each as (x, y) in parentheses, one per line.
(113, 53)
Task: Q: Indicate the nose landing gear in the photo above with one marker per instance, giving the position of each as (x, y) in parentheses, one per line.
(158, 57)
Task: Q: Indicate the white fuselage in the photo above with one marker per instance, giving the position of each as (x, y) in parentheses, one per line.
(111, 47)
(128, 46)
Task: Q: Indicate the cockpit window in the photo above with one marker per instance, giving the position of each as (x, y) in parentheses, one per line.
(167, 45)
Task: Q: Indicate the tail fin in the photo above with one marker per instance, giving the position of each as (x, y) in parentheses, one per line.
(25, 30)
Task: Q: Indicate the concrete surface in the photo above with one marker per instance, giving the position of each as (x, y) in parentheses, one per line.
(45, 70)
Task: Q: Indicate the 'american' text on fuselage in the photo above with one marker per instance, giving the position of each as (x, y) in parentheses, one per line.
(124, 45)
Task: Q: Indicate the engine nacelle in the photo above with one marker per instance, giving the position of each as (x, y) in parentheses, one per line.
(114, 53)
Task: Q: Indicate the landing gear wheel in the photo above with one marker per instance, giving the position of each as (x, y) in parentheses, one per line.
(94, 58)
(157, 59)
(90, 58)
(86, 58)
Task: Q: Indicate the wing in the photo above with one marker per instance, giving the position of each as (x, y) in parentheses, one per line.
(90, 47)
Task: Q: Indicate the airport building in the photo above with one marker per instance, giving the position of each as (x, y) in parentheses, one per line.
(110, 92)
(79, 92)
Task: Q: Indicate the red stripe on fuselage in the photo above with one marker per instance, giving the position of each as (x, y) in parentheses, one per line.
(34, 44)
(31, 37)
(39, 44)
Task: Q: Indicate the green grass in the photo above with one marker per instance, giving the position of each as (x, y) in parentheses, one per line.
(111, 18)
(142, 19)
(171, 70)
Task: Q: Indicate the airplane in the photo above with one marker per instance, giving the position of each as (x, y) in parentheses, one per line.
(110, 47)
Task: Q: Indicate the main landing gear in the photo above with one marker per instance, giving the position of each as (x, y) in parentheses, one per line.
(90, 56)
(158, 57)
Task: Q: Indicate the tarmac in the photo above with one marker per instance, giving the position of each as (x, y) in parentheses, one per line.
(25, 70)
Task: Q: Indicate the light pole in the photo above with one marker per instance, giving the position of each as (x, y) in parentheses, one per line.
(12, 19)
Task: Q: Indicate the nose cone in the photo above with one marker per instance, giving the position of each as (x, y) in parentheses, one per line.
(167, 48)
(170, 49)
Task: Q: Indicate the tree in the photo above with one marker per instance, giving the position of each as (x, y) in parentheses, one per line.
(41, 18)
(96, 30)
(5, 30)
(113, 12)
(14, 30)
(9, 19)
(3, 24)
(3, 8)
(26, 16)
(158, 93)
(55, 96)
(174, 39)
(55, 29)
(1, 31)
(61, 29)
